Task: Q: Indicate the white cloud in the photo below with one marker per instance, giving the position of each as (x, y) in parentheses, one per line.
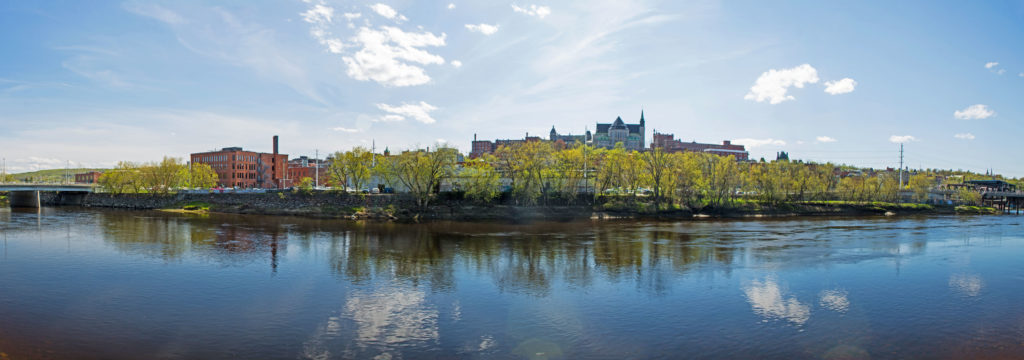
(483, 28)
(759, 142)
(964, 136)
(1021, 74)
(990, 65)
(772, 85)
(825, 139)
(842, 86)
(451, 6)
(456, 63)
(974, 112)
(319, 13)
(902, 138)
(384, 11)
(441, 141)
(344, 129)
(533, 10)
(420, 112)
(388, 56)
(155, 11)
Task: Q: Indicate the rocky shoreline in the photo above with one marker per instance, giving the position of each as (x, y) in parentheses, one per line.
(396, 207)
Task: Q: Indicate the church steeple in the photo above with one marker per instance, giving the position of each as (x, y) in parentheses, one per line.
(641, 117)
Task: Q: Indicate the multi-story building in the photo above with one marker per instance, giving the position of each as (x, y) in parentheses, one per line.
(236, 167)
(570, 139)
(304, 167)
(668, 142)
(481, 147)
(630, 135)
(91, 177)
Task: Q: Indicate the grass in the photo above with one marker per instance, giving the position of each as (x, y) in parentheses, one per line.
(196, 206)
(51, 175)
(966, 209)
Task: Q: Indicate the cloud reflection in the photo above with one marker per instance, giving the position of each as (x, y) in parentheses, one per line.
(966, 284)
(834, 300)
(766, 298)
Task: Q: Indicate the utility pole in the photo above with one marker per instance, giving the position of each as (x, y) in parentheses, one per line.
(316, 167)
(900, 167)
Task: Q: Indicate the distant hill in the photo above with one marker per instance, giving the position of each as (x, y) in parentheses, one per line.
(52, 175)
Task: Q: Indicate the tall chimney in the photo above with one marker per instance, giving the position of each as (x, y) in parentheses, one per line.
(275, 144)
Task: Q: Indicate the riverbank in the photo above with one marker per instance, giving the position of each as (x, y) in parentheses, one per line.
(398, 207)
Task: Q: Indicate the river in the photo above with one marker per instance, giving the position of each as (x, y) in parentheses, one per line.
(82, 283)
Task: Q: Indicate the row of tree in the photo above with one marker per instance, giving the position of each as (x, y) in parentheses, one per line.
(160, 177)
(538, 172)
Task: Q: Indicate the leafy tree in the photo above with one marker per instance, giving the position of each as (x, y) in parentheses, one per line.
(305, 186)
(162, 177)
(661, 168)
(481, 180)
(197, 175)
(121, 179)
(422, 171)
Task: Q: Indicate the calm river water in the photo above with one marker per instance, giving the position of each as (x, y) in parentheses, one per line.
(77, 283)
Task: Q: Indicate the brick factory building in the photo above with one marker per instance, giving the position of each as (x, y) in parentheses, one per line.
(91, 177)
(246, 169)
(304, 167)
(668, 142)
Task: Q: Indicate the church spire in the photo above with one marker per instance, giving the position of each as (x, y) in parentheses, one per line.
(641, 117)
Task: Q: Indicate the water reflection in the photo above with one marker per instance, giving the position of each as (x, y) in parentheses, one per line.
(279, 287)
(834, 300)
(966, 284)
(771, 302)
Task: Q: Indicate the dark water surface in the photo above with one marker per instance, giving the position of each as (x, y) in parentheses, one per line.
(78, 283)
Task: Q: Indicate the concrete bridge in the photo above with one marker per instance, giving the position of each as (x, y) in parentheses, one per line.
(27, 195)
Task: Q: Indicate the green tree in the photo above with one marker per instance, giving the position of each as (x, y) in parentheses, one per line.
(162, 177)
(661, 168)
(197, 175)
(481, 181)
(421, 172)
(351, 169)
(920, 184)
(123, 178)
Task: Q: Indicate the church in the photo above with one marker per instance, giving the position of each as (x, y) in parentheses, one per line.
(630, 135)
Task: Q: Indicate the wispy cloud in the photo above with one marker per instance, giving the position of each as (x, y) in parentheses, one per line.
(533, 10)
(902, 138)
(772, 86)
(964, 136)
(485, 29)
(753, 143)
(419, 112)
(344, 129)
(991, 65)
(825, 139)
(155, 11)
(388, 12)
(456, 63)
(974, 112)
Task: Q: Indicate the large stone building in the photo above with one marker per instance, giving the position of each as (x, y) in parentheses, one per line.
(569, 139)
(304, 167)
(668, 142)
(630, 135)
(246, 169)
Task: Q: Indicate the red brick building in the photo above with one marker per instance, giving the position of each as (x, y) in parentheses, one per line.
(236, 167)
(481, 147)
(304, 167)
(91, 177)
(668, 142)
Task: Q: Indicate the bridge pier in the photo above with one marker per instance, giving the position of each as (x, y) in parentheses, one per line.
(25, 199)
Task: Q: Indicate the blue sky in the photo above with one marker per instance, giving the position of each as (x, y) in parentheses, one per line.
(96, 82)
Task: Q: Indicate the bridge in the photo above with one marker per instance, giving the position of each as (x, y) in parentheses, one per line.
(27, 195)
